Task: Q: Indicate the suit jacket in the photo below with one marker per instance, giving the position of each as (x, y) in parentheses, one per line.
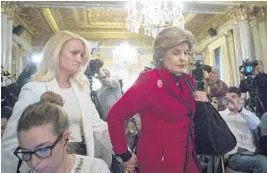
(164, 121)
(93, 126)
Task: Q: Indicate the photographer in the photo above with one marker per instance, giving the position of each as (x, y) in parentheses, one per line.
(217, 88)
(109, 93)
(261, 84)
(255, 85)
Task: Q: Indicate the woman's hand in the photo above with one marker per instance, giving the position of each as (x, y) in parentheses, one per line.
(201, 96)
(131, 164)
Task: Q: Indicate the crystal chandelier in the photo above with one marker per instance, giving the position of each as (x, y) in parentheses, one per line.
(124, 54)
(154, 15)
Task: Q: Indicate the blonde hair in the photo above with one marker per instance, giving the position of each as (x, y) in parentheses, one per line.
(50, 57)
(47, 110)
(169, 38)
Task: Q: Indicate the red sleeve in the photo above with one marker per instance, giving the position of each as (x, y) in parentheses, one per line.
(133, 101)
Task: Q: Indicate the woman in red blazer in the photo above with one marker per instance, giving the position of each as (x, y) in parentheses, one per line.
(162, 146)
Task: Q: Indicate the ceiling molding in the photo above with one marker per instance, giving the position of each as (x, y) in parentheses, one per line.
(211, 21)
(58, 18)
(76, 17)
(23, 24)
(189, 6)
(107, 35)
(189, 18)
(49, 18)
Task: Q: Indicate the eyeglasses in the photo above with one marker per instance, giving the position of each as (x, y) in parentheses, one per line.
(43, 152)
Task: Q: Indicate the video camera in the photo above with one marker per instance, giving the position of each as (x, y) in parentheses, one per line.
(248, 68)
(93, 67)
(198, 73)
(250, 85)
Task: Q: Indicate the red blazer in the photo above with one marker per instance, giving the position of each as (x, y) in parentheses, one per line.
(164, 124)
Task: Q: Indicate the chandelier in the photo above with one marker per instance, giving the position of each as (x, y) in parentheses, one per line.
(154, 15)
(125, 54)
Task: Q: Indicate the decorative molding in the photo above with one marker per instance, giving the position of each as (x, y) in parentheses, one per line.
(76, 16)
(58, 18)
(239, 13)
(9, 8)
(22, 42)
(216, 22)
(105, 19)
(49, 18)
(18, 19)
(224, 29)
(107, 34)
(190, 17)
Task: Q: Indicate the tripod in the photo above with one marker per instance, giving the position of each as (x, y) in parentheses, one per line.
(93, 95)
(200, 85)
(254, 103)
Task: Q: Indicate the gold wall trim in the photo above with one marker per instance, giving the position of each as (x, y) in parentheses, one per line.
(48, 16)
(58, 18)
(106, 35)
(189, 18)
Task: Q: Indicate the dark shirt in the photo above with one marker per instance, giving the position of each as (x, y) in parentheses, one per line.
(261, 87)
(176, 79)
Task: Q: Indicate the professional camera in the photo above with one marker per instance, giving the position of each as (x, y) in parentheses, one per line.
(198, 73)
(93, 67)
(249, 84)
(247, 69)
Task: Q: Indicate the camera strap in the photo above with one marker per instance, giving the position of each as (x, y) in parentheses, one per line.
(19, 165)
(190, 114)
(187, 104)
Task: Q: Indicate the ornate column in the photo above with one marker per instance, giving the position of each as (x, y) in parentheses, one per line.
(260, 18)
(3, 38)
(248, 47)
(7, 14)
(8, 42)
(237, 42)
(241, 18)
(236, 35)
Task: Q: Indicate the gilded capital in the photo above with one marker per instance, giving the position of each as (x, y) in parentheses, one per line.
(9, 8)
(233, 17)
(240, 13)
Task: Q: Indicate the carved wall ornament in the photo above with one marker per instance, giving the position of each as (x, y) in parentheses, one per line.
(106, 17)
(242, 12)
(9, 8)
(233, 17)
